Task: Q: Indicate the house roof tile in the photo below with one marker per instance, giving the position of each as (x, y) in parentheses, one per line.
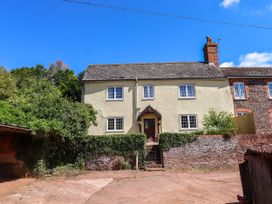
(179, 70)
(243, 72)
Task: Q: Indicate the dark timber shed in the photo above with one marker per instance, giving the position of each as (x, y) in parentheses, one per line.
(11, 164)
(256, 176)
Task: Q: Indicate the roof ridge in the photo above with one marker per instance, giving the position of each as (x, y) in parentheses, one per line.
(246, 67)
(147, 63)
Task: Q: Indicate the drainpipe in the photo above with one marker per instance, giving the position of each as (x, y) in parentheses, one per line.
(136, 102)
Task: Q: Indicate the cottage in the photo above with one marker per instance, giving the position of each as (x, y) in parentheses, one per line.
(156, 97)
(174, 97)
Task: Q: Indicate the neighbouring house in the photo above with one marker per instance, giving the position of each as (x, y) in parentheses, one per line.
(251, 90)
(156, 97)
(10, 163)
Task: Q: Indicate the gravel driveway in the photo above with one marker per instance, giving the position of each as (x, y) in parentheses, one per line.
(131, 187)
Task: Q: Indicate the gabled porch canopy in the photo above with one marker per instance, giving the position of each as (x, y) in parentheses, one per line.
(148, 110)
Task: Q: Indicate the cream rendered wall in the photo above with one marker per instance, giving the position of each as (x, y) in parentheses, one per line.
(209, 94)
(95, 93)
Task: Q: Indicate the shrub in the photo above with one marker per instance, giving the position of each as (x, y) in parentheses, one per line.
(126, 165)
(219, 123)
(120, 163)
(170, 140)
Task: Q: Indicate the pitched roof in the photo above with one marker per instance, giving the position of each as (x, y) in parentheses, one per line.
(149, 109)
(244, 72)
(179, 70)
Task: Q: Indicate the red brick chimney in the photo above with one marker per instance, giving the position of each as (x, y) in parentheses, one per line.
(211, 52)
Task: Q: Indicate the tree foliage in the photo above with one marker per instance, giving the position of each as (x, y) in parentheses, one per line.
(42, 105)
(7, 85)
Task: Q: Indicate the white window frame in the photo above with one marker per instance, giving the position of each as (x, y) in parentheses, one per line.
(239, 97)
(240, 113)
(115, 99)
(114, 130)
(188, 117)
(186, 90)
(148, 92)
(270, 96)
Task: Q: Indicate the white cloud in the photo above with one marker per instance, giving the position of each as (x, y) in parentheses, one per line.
(229, 3)
(254, 59)
(227, 64)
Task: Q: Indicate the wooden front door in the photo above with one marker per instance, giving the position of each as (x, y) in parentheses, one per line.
(149, 128)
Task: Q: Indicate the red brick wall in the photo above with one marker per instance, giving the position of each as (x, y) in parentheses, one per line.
(257, 101)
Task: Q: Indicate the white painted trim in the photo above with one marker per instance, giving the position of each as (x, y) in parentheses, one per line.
(114, 99)
(186, 97)
(115, 130)
(148, 98)
(239, 98)
(189, 128)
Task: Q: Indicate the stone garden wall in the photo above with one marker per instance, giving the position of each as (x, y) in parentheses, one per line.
(213, 151)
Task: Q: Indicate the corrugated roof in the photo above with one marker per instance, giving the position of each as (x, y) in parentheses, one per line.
(179, 70)
(244, 72)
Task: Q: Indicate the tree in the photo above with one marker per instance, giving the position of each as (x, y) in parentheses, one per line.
(68, 83)
(43, 105)
(59, 75)
(26, 76)
(57, 66)
(7, 85)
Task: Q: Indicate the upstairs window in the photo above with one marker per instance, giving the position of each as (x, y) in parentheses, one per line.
(270, 89)
(188, 122)
(148, 92)
(115, 93)
(187, 91)
(239, 90)
(115, 124)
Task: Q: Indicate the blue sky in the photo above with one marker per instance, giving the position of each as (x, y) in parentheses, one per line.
(41, 32)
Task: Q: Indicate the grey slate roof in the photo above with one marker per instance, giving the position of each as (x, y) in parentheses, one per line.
(179, 70)
(244, 72)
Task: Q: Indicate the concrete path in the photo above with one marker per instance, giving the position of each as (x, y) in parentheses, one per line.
(57, 191)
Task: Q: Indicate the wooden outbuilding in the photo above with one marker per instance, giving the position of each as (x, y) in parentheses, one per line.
(13, 141)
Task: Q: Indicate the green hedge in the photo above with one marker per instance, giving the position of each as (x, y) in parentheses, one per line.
(56, 152)
(169, 140)
(125, 144)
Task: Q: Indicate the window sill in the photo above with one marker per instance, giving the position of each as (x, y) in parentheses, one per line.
(188, 129)
(114, 131)
(186, 98)
(240, 99)
(148, 99)
(110, 100)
